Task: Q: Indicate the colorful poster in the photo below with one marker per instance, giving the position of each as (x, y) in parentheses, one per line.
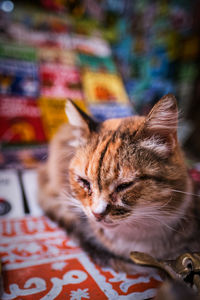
(103, 87)
(60, 81)
(20, 121)
(20, 78)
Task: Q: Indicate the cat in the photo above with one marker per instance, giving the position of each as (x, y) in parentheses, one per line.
(121, 185)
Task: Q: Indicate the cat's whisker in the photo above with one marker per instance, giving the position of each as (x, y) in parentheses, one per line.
(143, 217)
(161, 221)
(74, 205)
(186, 193)
(167, 225)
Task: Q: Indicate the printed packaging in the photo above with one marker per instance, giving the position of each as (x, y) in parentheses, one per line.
(29, 180)
(104, 87)
(58, 81)
(11, 202)
(20, 121)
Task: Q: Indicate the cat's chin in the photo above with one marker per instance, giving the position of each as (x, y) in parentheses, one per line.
(108, 224)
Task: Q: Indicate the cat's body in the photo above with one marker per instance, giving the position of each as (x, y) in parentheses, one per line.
(122, 185)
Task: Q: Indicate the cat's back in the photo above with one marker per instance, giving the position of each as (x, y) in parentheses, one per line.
(53, 173)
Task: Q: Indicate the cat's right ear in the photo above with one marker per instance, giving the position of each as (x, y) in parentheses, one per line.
(163, 117)
(79, 119)
(159, 132)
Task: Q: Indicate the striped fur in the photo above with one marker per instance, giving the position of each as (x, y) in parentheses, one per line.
(121, 185)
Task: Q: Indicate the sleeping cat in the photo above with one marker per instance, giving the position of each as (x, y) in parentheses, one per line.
(121, 185)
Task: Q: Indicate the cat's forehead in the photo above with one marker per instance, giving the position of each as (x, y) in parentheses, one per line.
(104, 158)
(132, 123)
(105, 153)
(116, 133)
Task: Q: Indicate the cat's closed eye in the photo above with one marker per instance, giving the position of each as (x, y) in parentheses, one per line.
(124, 186)
(85, 184)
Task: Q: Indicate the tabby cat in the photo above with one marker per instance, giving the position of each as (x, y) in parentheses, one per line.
(121, 185)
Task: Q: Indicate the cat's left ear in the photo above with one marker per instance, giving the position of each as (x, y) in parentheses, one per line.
(161, 126)
(79, 119)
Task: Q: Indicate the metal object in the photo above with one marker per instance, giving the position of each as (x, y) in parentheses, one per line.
(186, 267)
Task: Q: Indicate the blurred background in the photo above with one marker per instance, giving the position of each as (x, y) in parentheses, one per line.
(114, 58)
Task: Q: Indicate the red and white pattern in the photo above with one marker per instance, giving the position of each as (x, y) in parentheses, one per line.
(41, 262)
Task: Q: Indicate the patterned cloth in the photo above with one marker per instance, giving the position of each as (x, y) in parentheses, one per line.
(41, 262)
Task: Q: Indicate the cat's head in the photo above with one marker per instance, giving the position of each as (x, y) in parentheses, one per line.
(128, 170)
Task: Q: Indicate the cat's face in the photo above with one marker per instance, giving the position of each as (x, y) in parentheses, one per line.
(125, 170)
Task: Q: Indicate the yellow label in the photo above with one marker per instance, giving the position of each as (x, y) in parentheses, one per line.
(103, 87)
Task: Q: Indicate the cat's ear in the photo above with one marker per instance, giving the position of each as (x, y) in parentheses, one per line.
(160, 127)
(79, 119)
(163, 117)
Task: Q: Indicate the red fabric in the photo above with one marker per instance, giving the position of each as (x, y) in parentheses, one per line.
(41, 262)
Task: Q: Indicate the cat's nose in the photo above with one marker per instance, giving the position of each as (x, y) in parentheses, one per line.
(100, 215)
